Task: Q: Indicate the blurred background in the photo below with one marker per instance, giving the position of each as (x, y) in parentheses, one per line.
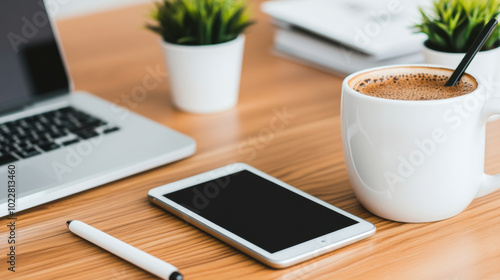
(70, 8)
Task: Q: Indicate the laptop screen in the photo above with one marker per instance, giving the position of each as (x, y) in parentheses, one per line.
(31, 66)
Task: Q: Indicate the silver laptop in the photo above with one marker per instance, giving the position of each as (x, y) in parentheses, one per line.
(60, 142)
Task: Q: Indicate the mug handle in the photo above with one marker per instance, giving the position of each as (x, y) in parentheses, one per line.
(489, 183)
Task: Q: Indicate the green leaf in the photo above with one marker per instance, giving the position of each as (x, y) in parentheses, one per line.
(185, 40)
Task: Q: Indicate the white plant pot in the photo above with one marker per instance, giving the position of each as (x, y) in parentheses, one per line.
(205, 79)
(485, 66)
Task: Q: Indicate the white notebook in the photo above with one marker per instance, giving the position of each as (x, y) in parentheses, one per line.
(378, 28)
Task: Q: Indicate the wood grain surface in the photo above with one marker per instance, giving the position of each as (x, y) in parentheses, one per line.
(110, 53)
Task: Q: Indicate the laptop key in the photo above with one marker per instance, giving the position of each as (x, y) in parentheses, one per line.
(57, 134)
(69, 142)
(23, 145)
(29, 152)
(49, 147)
(86, 134)
(5, 159)
(93, 123)
(111, 129)
(8, 148)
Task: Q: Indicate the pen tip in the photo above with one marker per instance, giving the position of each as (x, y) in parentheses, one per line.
(68, 222)
(176, 276)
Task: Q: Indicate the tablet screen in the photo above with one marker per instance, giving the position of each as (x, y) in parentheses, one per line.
(260, 211)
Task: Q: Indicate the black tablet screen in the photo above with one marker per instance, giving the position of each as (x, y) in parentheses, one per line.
(263, 213)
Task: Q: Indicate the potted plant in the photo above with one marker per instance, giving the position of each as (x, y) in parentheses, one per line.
(452, 26)
(203, 45)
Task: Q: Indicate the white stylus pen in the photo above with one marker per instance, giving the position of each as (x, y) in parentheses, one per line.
(125, 251)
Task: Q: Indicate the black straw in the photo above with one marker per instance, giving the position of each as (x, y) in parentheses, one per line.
(471, 53)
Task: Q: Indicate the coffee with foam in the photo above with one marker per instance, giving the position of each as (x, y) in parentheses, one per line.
(411, 83)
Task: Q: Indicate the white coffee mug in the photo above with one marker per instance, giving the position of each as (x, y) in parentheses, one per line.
(416, 161)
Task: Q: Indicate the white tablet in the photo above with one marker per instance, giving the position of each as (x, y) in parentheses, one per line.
(262, 216)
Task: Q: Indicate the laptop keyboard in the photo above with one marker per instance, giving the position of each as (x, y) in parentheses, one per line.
(48, 131)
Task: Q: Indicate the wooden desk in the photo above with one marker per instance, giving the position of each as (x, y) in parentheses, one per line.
(109, 54)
